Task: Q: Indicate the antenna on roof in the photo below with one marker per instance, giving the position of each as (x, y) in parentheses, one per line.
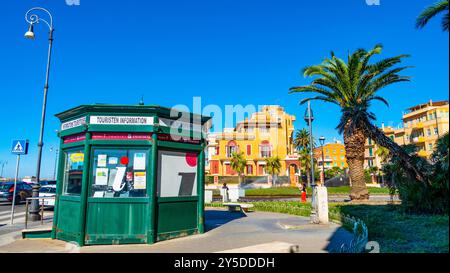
(142, 100)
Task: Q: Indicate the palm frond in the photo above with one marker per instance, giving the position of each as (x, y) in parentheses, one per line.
(430, 12)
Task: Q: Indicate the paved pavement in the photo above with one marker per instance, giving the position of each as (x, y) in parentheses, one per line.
(8, 232)
(225, 232)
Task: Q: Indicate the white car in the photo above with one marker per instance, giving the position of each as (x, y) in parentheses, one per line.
(48, 191)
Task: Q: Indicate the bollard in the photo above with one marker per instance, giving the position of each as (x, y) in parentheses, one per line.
(34, 208)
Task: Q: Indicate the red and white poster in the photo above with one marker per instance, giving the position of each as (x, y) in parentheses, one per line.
(177, 173)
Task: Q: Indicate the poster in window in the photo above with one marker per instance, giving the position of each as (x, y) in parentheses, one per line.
(177, 174)
(140, 180)
(139, 161)
(101, 161)
(101, 176)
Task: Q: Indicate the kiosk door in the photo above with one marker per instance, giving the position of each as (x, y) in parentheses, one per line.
(68, 220)
(117, 207)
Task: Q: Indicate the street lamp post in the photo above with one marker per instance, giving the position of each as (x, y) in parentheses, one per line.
(3, 163)
(309, 119)
(32, 18)
(322, 178)
(56, 161)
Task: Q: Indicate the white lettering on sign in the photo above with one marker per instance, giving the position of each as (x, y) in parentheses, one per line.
(119, 120)
(73, 123)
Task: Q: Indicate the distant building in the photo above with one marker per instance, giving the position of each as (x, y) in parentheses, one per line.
(422, 124)
(334, 156)
(265, 134)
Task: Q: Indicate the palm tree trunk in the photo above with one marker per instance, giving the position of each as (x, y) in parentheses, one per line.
(308, 178)
(354, 147)
(381, 139)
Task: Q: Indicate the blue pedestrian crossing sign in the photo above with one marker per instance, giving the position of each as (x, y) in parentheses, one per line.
(19, 147)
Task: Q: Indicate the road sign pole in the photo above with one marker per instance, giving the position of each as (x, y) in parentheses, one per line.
(15, 188)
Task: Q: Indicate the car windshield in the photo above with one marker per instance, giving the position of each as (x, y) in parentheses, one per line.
(5, 187)
(47, 190)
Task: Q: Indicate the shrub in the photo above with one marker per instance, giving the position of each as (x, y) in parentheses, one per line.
(430, 197)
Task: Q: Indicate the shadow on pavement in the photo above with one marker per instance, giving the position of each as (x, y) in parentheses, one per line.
(340, 236)
(217, 218)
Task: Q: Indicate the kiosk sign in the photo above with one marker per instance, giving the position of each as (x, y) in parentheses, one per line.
(73, 123)
(121, 120)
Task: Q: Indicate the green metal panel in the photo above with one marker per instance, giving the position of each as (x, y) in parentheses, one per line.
(84, 190)
(201, 191)
(116, 222)
(68, 218)
(176, 216)
(151, 191)
(37, 234)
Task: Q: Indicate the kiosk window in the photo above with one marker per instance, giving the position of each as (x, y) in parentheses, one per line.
(119, 173)
(177, 174)
(73, 172)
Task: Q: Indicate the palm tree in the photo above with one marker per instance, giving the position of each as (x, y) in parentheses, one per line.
(305, 164)
(432, 11)
(301, 140)
(353, 86)
(383, 153)
(273, 166)
(238, 164)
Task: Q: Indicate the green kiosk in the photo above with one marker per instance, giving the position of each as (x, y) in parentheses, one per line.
(129, 174)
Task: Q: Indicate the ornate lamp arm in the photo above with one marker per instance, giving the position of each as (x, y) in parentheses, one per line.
(33, 18)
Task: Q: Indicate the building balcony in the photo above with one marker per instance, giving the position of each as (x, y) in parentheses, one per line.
(418, 125)
(420, 139)
(422, 153)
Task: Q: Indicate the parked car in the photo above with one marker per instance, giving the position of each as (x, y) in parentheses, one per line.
(48, 191)
(47, 182)
(7, 192)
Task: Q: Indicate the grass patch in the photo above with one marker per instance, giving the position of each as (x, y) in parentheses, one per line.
(394, 230)
(295, 192)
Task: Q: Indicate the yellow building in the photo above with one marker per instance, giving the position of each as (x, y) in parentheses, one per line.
(422, 126)
(333, 156)
(265, 134)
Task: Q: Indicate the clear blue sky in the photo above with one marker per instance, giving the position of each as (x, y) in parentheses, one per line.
(226, 51)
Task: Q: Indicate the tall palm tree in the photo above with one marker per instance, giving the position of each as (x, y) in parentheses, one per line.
(353, 86)
(238, 164)
(432, 11)
(301, 139)
(273, 166)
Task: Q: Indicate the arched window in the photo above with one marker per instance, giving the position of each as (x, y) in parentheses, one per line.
(265, 149)
(231, 148)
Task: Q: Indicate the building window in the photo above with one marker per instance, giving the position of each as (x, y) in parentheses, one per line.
(227, 169)
(430, 146)
(249, 149)
(217, 150)
(428, 132)
(370, 152)
(214, 167)
(370, 162)
(265, 149)
(249, 169)
(231, 148)
(435, 131)
(121, 173)
(370, 141)
(263, 130)
(334, 151)
(73, 172)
